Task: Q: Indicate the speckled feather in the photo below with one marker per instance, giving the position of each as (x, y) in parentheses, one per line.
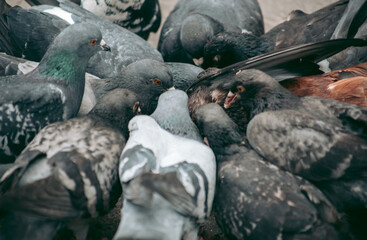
(51, 92)
(140, 17)
(255, 199)
(69, 170)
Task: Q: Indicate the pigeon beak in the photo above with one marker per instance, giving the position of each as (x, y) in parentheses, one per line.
(206, 141)
(171, 88)
(198, 62)
(230, 99)
(104, 46)
(136, 108)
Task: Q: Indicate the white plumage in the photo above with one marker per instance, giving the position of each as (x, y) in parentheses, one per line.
(168, 183)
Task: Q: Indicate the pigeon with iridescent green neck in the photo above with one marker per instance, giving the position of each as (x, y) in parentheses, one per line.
(51, 92)
(173, 115)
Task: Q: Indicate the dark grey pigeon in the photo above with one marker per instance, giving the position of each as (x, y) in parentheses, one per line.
(51, 92)
(192, 23)
(140, 17)
(320, 139)
(168, 183)
(183, 74)
(173, 115)
(228, 48)
(255, 199)
(148, 78)
(68, 173)
(126, 47)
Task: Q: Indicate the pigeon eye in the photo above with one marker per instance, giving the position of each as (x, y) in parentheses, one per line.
(92, 42)
(240, 88)
(157, 82)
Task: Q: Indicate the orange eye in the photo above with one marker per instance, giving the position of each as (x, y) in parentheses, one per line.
(92, 42)
(240, 88)
(158, 82)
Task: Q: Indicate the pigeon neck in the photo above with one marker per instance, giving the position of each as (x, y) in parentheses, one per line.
(65, 66)
(177, 123)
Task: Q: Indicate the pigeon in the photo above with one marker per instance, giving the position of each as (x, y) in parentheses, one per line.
(257, 200)
(135, 77)
(320, 139)
(148, 78)
(51, 92)
(140, 17)
(231, 47)
(283, 64)
(168, 181)
(10, 65)
(173, 115)
(183, 74)
(68, 173)
(192, 23)
(313, 130)
(126, 47)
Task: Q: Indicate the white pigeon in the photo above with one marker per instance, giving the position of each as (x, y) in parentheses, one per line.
(168, 183)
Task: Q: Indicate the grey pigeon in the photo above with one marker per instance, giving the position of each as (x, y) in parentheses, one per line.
(68, 173)
(126, 47)
(51, 92)
(320, 139)
(173, 115)
(140, 17)
(168, 182)
(183, 74)
(10, 65)
(255, 199)
(194, 22)
(148, 78)
(231, 47)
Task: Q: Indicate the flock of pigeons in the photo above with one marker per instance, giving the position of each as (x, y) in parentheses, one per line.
(272, 136)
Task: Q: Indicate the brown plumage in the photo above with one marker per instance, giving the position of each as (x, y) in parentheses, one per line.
(346, 85)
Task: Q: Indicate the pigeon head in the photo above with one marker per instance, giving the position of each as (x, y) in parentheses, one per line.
(216, 126)
(172, 115)
(69, 53)
(196, 31)
(117, 107)
(149, 79)
(227, 48)
(251, 92)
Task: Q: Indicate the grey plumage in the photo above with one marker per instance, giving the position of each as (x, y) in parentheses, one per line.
(183, 74)
(320, 139)
(51, 92)
(193, 22)
(172, 115)
(257, 200)
(69, 171)
(148, 78)
(126, 47)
